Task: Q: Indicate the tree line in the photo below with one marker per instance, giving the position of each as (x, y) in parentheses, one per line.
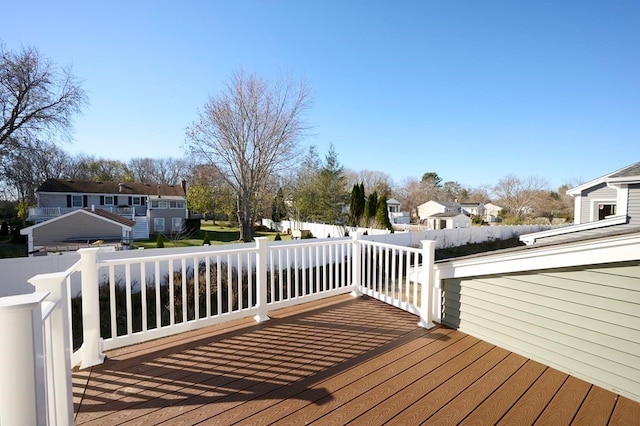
(243, 157)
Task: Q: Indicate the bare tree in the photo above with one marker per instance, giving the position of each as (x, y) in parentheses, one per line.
(374, 181)
(24, 168)
(520, 196)
(35, 96)
(168, 171)
(411, 194)
(250, 132)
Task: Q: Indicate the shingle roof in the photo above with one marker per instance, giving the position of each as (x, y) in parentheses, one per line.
(110, 187)
(112, 216)
(632, 170)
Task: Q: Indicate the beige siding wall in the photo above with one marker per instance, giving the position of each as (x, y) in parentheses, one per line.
(599, 192)
(633, 208)
(584, 321)
(76, 226)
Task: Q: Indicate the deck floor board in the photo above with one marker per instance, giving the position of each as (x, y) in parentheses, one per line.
(334, 361)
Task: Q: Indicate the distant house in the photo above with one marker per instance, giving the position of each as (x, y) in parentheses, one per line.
(491, 212)
(473, 209)
(443, 215)
(614, 194)
(154, 208)
(395, 215)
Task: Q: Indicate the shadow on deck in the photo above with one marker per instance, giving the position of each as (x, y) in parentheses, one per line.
(335, 361)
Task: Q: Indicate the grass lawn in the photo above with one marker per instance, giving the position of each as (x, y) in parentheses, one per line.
(220, 233)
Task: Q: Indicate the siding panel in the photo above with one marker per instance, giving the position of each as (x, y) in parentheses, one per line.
(599, 192)
(633, 207)
(584, 320)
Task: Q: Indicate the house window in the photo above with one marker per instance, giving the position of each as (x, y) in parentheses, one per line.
(158, 204)
(176, 204)
(76, 201)
(605, 210)
(136, 201)
(158, 224)
(176, 224)
(108, 200)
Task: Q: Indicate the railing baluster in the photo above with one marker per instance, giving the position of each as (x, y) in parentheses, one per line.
(196, 289)
(113, 314)
(129, 303)
(183, 287)
(143, 294)
(158, 299)
(171, 295)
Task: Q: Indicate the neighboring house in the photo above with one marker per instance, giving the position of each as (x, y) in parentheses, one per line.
(473, 209)
(395, 215)
(82, 226)
(614, 194)
(430, 208)
(443, 215)
(491, 212)
(155, 208)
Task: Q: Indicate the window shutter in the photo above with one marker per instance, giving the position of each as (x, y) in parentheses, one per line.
(102, 200)
(142, 201)
(85, 200)
(68, 200)
(115, 200)
(130, 201)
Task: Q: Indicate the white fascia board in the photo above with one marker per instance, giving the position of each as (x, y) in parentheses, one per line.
(614, 249)
(529, 239)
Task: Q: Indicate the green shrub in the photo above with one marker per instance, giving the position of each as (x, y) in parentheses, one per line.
(277, 237)
(206, 240)
(159, 241)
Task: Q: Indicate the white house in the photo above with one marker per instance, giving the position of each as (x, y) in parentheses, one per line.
(395, 215)
(443, 215)
(491, 212)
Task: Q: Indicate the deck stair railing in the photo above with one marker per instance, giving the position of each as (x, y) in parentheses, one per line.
(136, 299)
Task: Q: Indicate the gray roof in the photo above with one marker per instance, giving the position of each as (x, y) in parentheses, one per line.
(632, 170)
(110, 187)
(449, 214)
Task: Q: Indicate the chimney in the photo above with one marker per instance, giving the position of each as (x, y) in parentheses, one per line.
(158, 190)
(120, 187)
(184, 186)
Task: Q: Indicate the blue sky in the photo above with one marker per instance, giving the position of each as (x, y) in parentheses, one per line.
(473, 90)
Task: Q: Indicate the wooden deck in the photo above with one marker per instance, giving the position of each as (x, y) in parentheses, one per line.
(334, 362)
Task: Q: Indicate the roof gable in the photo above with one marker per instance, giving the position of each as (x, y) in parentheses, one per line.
(125, 223)
(629, 173)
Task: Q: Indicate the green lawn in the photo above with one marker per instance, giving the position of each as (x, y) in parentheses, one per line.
(220, 233)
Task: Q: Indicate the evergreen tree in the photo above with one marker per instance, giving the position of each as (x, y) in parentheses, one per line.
(356, 208)
(306, 193)
(279, 209)
(331, 189)
(382, 214)
(371, 206)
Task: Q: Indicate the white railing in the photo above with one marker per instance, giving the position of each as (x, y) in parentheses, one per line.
(51, 212)
(35, 360)
(136, 299)
(397, 275)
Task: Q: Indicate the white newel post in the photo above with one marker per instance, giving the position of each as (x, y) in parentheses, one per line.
(261, 280)
(91, 341)
(427, 272)
(356, 264)
(22, 371)
(56, 285)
